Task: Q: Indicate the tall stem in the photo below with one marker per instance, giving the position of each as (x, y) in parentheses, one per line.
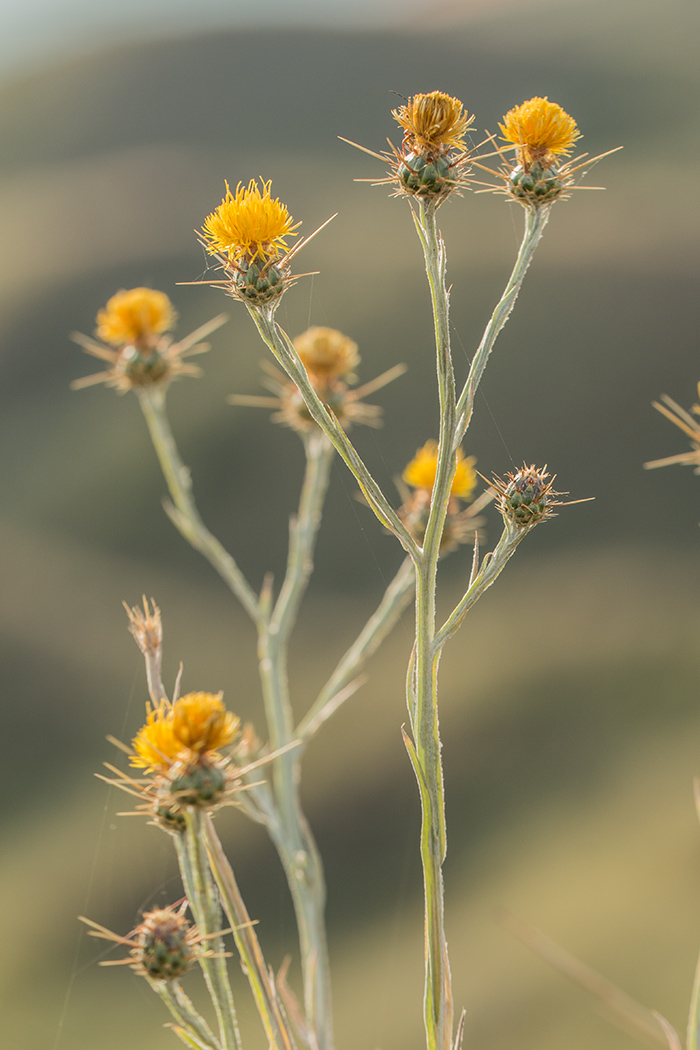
(422, 701)
(535, 222)
(204, 902)
(289, 828)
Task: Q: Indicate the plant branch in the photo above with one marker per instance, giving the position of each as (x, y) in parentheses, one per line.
(203, 898)
(183, 511)
(535, 222)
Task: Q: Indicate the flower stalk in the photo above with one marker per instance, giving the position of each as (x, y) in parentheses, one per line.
(204, 902)
(183, 511)
(535, 222)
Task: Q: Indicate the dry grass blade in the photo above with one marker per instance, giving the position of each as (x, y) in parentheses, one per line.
(621, 1009)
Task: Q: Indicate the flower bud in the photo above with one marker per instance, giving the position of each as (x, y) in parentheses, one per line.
(164, 949)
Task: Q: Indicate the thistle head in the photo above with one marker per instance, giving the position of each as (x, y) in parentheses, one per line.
(135, 328)
(138, 316)
(420, 472)
(526, 498)
(163, 947)
(433, 159)
(433, 123)
(327, 354)
(541, 132)
(180, 745)
(330, 359)
(248, 234)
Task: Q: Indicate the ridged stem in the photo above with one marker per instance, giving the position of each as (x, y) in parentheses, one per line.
(288, 826)
(535, 222)
(183, 511)
(203, 898)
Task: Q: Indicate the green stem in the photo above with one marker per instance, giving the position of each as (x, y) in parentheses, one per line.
(185, 1014)
(288, 826)
(204, 903)
(422, 692)
(183, 511)
(535, 222)
(252, 961)
(491, 568)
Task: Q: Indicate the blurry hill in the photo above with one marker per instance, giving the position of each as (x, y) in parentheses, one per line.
(570, 716)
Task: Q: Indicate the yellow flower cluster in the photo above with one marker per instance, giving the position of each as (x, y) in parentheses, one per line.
(420, 472)
(194, 725)
(135, 316)
(248, 225)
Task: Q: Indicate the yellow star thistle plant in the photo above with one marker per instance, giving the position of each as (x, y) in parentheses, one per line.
(420, 472)
(541, 130)
(249, 225)
(185, 777)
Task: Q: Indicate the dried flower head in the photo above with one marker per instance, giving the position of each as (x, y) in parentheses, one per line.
(163, 947)
(135, 327)
(526, 498)
(690, 427)
(330, 359)
(146, 626)
(420, 472)
(197, 725)
(433, 123)
(433, 160)
(460, 525)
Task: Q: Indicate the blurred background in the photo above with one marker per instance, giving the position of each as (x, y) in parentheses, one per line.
(570, 716)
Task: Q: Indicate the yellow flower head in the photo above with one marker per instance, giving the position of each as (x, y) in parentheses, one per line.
(155, 744)
(433, 122)
(194, 724)
(135, 316)
(201, 722)
(248, 224)
(327, 353)
(420, 472)
(541, 129)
